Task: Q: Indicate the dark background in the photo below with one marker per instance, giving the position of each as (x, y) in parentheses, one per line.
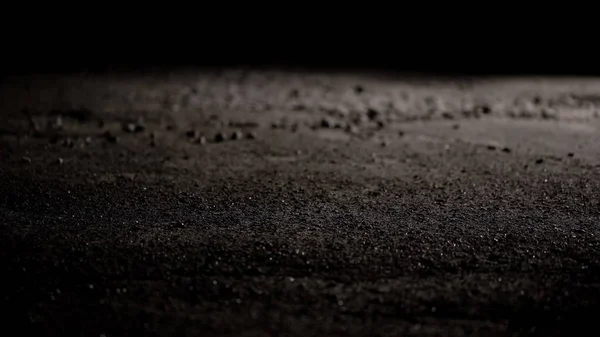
(467, 44)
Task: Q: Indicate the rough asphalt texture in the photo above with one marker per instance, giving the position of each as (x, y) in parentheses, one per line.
(256, 203)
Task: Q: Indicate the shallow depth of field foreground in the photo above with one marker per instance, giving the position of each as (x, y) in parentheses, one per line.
(265, 202)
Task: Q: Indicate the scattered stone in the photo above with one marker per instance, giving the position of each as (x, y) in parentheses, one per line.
(110, 137)
(294, 93)
(26, 159)
(447, 115)
(400, 133)
(237, 135)
(484, 109)
(59, 161)
(219, 137)
(380, 124)
(491, 147)
(58, 123)
(299, 107)
(251, 135)
(372, 114)
(351, 129)
(506, 150)
(570, 154)
(133, 127)
(549, 114)
(326, 123)
(192, 134)
(537, 100)
(539, 161)
(359, 89)
(201, 140)
(88, 140)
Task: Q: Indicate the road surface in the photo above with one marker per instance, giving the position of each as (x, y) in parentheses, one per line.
(291, 203)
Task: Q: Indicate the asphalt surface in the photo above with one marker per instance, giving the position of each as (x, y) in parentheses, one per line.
(257, 203)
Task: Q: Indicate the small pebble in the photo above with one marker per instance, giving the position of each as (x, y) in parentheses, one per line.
(26, 159)
(359, 89)
(539, 161)
(219, 137)
(447, 115)
(88, 140)
(491, 147)
(110, 137)
(352, 129)
(326, 123)
(236, 135)
(506, 149)
(251, 135)
(570, 154)
(192, 134)
(59, 161)
(201, 140)
(372, 114)
(484, 109)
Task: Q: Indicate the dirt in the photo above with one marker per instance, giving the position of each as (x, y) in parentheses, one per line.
(268, 202)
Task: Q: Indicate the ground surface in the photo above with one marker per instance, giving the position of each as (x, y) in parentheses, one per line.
(348, 205)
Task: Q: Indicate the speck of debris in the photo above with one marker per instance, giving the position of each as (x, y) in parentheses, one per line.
(58, 123)
(59, 161)
(68, 142)
(201, 140)
(491, 147)
(236, 135)
(133, 127)
(192, 134)
(219, 137)
(372, 114)
(447, 115)
(484, 109)
(326, 123)
(380, 124)
(506, 149)
(26, 159)
(570, 154)
(548, 114)
(298, 107)
(351, 129)
(251, 135)
(400, 133)
(537, 100)
(88, 140)
(294, 93)
(359, 89)
(110, 137)
(539, 161)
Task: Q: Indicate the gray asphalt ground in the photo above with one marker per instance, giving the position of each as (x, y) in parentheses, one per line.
(288, 203)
